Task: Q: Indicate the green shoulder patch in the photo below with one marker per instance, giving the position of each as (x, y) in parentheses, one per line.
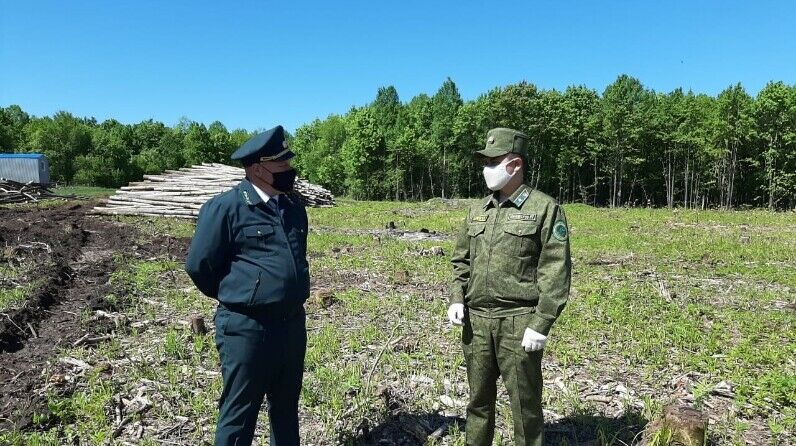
(560, 231)
(481, 218)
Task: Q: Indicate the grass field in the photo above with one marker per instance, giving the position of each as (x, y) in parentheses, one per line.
(85, 191)
(688, 306)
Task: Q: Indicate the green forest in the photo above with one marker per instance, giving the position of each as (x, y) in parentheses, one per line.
(626, 146)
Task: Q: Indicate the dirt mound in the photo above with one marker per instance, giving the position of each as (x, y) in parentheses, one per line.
(72, 254)
(50, 240)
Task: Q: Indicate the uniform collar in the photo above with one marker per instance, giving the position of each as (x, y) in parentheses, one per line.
(263, 194)
(517, 198)
(247, 193)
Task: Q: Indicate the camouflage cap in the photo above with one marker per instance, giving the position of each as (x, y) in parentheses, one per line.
(501, 141)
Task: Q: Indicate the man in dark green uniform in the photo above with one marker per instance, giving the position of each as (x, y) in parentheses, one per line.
(249, 252)
(511, 280)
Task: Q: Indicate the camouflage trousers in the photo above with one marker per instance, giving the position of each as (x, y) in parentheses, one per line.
(492, 348)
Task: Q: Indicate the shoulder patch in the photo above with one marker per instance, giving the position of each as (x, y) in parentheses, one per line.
(560, 231)
(481, 218)
(522, 217)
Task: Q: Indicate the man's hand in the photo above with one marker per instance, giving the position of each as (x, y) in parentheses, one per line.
(456, 313)
(531, 340)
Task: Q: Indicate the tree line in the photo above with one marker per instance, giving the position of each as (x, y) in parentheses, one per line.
(628, 146)
(110, 154)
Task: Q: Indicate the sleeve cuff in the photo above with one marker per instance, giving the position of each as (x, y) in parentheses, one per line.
(456, 296)
(539, 324)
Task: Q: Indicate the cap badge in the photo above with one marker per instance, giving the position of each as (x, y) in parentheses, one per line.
(491, 140)
(284, 144)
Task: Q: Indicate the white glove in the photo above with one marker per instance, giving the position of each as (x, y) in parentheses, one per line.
(533, 341)
(456, 313)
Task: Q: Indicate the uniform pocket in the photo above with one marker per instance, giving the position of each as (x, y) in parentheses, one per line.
(476, 233)
(258, 230)
(474, 230)
(256, 240)
(518, 239)
(300, 236)
(519, 323)
(467, 337)
(220, 320)
(256, 289)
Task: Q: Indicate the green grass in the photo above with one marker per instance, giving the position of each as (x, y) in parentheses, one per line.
(12, 292)
(152, 227)
(166, 358)
(436, 215)
(731, 275)
(10, 298)
(85, 191)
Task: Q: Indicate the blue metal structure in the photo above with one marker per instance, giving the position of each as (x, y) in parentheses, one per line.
(25, 167)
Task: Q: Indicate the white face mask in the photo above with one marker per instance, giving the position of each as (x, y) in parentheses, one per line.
(496, 176)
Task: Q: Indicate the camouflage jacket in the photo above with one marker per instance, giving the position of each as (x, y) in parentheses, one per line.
(514, 257)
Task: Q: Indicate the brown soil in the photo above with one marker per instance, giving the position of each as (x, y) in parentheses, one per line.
(73, 257)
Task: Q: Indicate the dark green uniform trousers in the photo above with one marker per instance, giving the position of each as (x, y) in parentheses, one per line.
(262, 354)
(492, 348)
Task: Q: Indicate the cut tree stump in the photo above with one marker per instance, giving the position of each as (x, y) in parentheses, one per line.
(402, 277)
(689, 426)
(198, 325)
(324, 298)
(680, 426)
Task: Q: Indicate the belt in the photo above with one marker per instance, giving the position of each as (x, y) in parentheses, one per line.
(500, 312)
(269, 313)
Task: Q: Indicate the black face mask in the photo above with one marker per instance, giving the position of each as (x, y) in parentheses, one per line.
(284, 181)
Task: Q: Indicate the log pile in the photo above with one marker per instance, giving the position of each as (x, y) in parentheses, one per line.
(180, 193)
(13, 192)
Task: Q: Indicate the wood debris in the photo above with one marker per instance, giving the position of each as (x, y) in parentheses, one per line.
(12, 192)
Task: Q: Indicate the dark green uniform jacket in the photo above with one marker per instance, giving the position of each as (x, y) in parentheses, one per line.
(245, 253)
(514, 258)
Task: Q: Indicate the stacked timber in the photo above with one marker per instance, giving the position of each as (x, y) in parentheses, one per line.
(14, 192)
(180, 193)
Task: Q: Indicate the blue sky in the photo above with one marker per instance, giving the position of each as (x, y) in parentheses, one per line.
(255, 64)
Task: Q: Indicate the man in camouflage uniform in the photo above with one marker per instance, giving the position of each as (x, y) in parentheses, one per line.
(511, 280)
